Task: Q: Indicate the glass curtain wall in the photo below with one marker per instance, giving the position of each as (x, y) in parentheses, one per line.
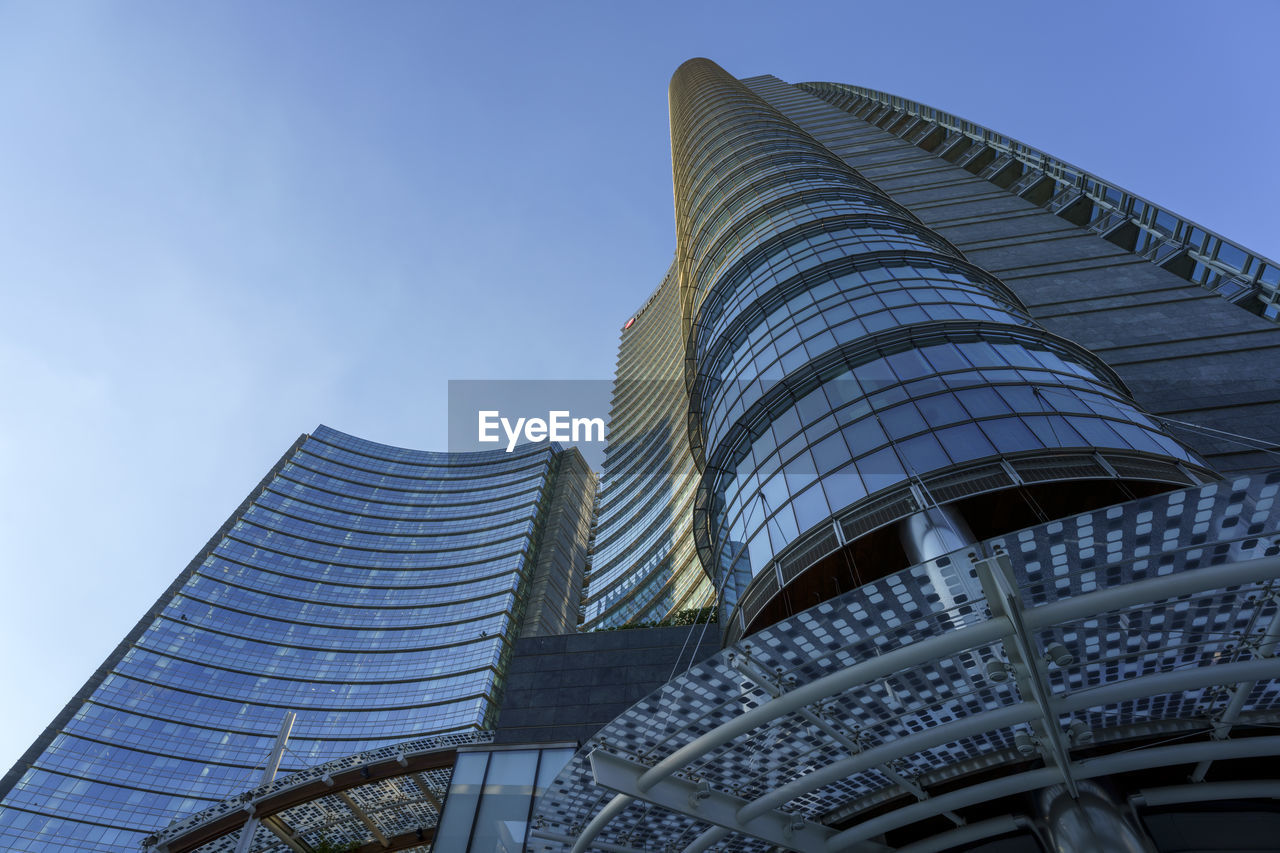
(645, 567)
(374, 590)
(836, 348)
(491, 797)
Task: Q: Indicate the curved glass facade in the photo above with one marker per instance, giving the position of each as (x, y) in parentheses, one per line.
(375, 591)
(837, 348)
(822, 405)
(645, 566)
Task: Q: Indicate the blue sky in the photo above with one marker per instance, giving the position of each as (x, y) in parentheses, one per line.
(222, 224)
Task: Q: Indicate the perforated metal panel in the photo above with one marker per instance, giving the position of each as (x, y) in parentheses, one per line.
(1214, 525)
(398, 805)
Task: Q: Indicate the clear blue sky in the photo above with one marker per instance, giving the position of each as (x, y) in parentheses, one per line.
(222, 223)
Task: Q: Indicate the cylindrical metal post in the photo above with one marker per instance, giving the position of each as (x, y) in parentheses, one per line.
(933, 532)
(1091, 823)
(250, 827)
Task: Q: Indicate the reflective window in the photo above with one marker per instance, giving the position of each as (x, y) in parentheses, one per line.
(369, 588)
(491, 798)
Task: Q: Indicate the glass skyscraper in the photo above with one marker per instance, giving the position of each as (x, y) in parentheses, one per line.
(868, 312)
(848, 367)
(972, 451)
(374, 591)
(985, 449)
(645, 567)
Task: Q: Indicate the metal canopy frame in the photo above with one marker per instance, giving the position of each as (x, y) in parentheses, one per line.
(232, 823)
(680, 779)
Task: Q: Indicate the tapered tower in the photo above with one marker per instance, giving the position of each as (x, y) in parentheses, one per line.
(985, 451)
(862, 398)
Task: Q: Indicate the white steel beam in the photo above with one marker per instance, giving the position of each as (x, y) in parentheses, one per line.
(996, 574)
(1148, 590)
(702, 803)
(1106, 765)
(967, 834)
(707, 839)
(752, 670)
(1175, 794)
(1241, 692)
(599, 845)
(888, 663)
(612, 809)
(425, 787)
(962, 639)
(965, 727)
(281, 831)
(976, 724)
(250, 827)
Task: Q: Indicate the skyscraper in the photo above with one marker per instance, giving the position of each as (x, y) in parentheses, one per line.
(846, 362)
(645, 565)
(960, 415)
(970, 449)
(374, 591)
(1081, 282)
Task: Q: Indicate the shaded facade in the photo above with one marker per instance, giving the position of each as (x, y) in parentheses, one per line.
(1203, 365)
(1123, 218)
(555, 588)
(645, 566)
(456, 793)
(376, 591)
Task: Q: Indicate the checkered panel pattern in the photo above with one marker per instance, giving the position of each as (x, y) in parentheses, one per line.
(1177, 532)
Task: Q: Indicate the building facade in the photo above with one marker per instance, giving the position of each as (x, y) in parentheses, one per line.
(375, 591)
(645, 566)
(973, 452)
(975, 229)
(848, 367)
(961, 416)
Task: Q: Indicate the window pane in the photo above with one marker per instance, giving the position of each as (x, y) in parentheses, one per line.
(504, 810)
(553, 761)
(464, 793)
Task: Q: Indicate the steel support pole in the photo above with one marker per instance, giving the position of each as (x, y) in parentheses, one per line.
(1087, 820)
(250, 827)
(996, 575)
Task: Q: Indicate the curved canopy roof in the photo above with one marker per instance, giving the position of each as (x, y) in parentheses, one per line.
(1095, 645)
